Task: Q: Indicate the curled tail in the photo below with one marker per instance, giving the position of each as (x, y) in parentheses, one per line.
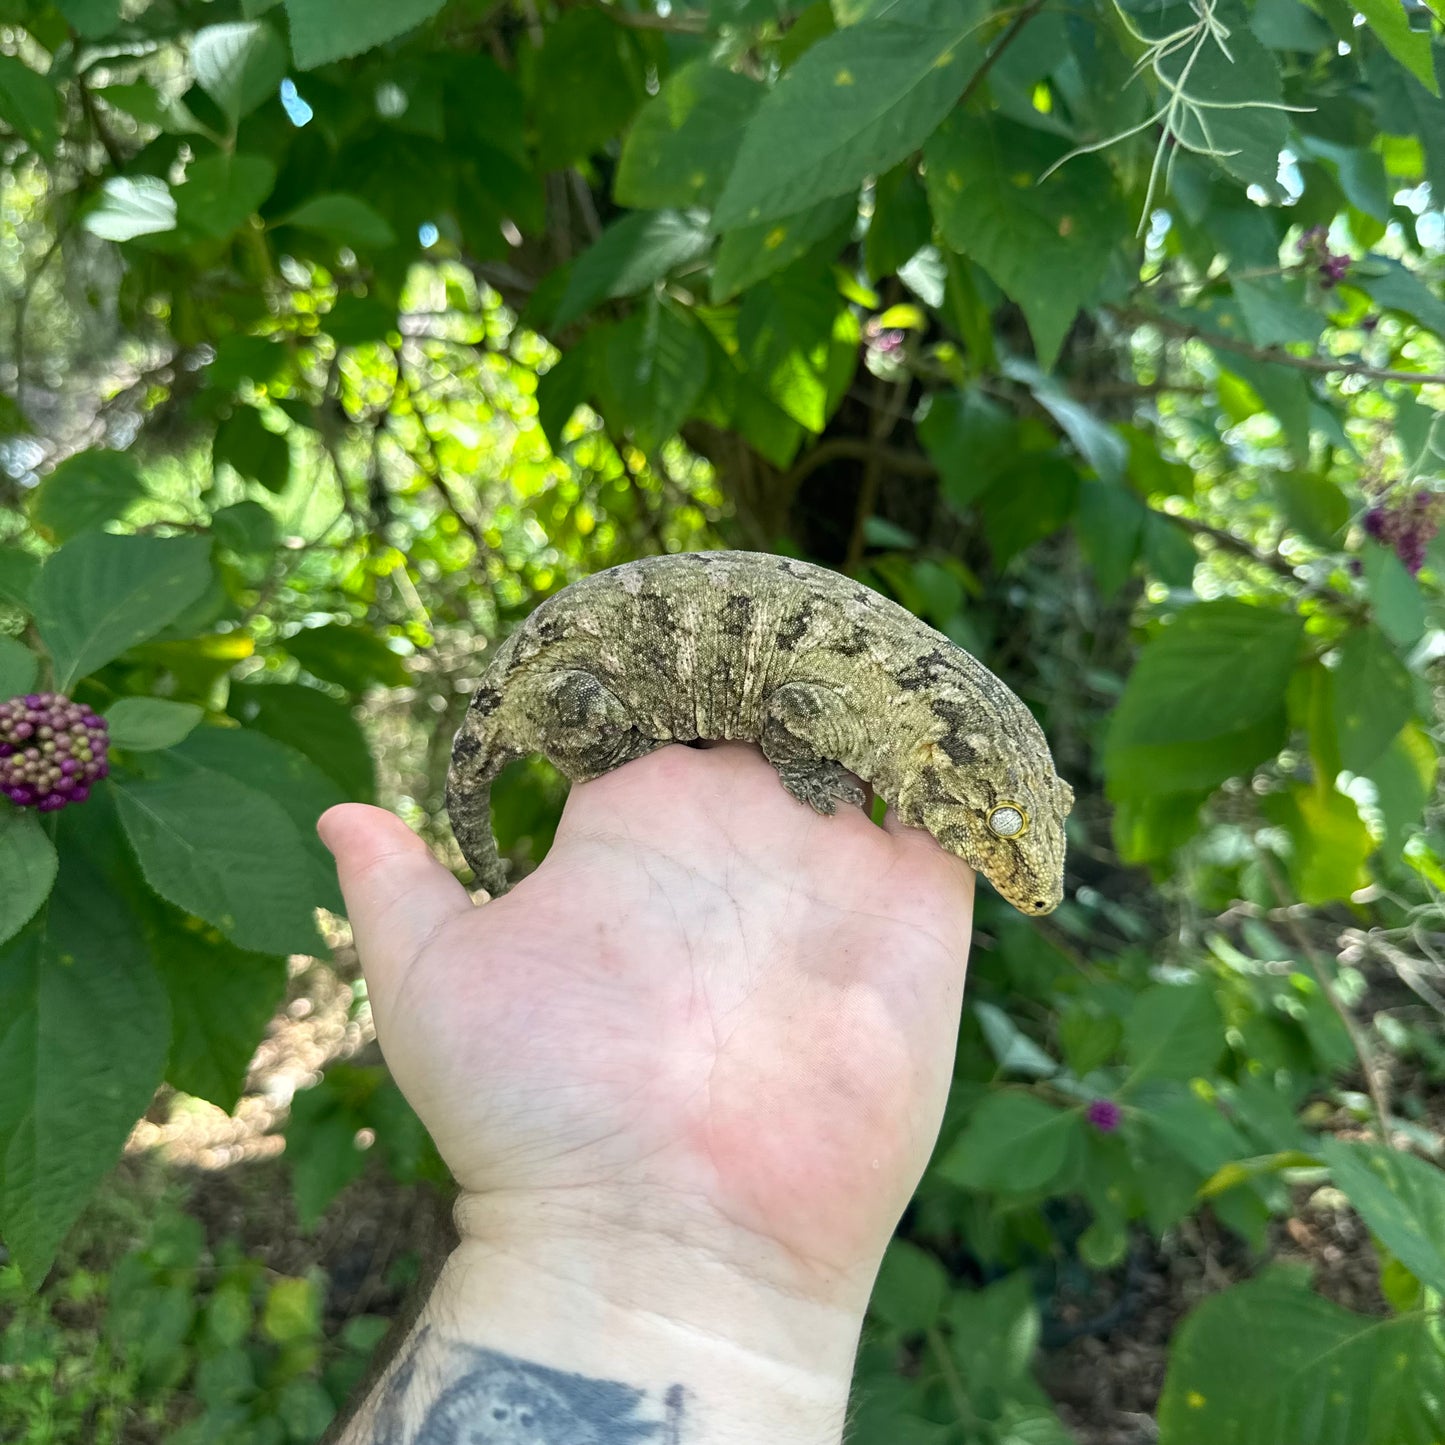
(479, 753)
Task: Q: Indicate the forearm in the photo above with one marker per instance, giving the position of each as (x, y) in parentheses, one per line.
(555, 1343)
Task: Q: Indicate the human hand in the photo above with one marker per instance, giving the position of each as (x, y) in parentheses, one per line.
(710, 1018)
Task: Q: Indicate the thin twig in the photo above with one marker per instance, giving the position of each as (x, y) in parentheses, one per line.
(1276, 355)
(1373, 1082)
(1005, 40)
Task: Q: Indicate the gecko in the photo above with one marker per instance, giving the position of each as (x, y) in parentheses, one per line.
(834, 681)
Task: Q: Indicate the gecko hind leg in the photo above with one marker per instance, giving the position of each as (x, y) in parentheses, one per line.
(798, 717)
(582, 726)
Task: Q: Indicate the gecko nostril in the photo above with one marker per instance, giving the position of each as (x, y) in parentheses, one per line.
(1039, 903)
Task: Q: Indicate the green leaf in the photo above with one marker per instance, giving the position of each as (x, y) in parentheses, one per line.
(1269, 1361)
(1396, 288)
(753, 253)
(342, 218)
(315, 725)
(1395, 599)
(1014, 1143)
(321, 1145)
(83, 1033)
(1371, 695)
(1401, 1198)
(292, 1313)
(799, 344)
(1315, 508)
(325, 30)
(252, 450)
(19, 667)
(1174, 1031)
(655, 369)
(143, 724)
(1276, 312)
(246, 528)
(1330, 842)
(1088, 1038)
(27, 864)
(222, 192)
(1032, 500)
(92, 18)
(238, 65)
(29, 105)
(131, 206)
(141, 100)
(1096, 441)
(351, 655)
(901, 224)
(1013, 1050)
(1389, 20)
(629, 256)
(1045, 242)
(854, 105)
(684, 141)
(1205, 700)
(1110, 526)
(561, 389)
(910, 1290)
(224, 851)
(994, 1336)
(221, 1001)
(85, 490)
(1404, 779)
(586, 81)
(18, 571)
(100, 595)
(972, 440)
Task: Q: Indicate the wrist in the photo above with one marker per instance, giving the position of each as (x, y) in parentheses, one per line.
(721, 1352)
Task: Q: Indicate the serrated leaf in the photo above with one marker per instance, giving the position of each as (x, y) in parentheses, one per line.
(1045, 242)
(143, 724)
(221, 1001)
(1174, 1031)
(252, 450)
(1013, 1143)
(1269, 1361)
(346, 219)
(224, 851)
(683, 143)
(100, 595)
(27, 864)
(30, 105)
(131, 206)
(85, 490)
(238, 65)
(1204, 702)
(315, 725)
(629, 256)
(325, 30)
(655, 369)
(83, 1032)
(854, 105)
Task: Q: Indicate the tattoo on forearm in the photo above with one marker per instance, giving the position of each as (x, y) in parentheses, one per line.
(494, 1399)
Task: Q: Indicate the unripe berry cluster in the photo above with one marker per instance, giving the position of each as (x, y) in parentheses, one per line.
(51, 750)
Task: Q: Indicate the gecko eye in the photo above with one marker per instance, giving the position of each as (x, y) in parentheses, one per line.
(1009, 820)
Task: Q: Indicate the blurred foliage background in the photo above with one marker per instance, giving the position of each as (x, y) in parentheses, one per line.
(1104, 335)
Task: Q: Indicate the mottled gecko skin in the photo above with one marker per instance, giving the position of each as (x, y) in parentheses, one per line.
(828, 676)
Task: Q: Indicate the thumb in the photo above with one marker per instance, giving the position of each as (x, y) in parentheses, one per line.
(397, 895)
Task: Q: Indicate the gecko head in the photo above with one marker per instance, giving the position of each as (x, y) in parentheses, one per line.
(999, 808)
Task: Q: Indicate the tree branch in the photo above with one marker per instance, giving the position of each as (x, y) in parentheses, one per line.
(1277, 355)
(1005, 40)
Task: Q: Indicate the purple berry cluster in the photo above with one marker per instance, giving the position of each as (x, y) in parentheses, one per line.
(1407, 524)
(51, 750)
(1330, 266)
(1105, 1115)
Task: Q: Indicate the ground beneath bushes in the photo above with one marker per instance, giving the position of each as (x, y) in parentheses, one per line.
(377, 1237)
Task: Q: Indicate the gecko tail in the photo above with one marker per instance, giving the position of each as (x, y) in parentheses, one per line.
(479, 753)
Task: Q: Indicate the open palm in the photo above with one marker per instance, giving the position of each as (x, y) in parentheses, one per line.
(708, 1009)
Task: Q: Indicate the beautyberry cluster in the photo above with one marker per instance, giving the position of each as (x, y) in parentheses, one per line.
(1330, 266)
(1105, 1115)
(1407, 524)
(51, 750)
